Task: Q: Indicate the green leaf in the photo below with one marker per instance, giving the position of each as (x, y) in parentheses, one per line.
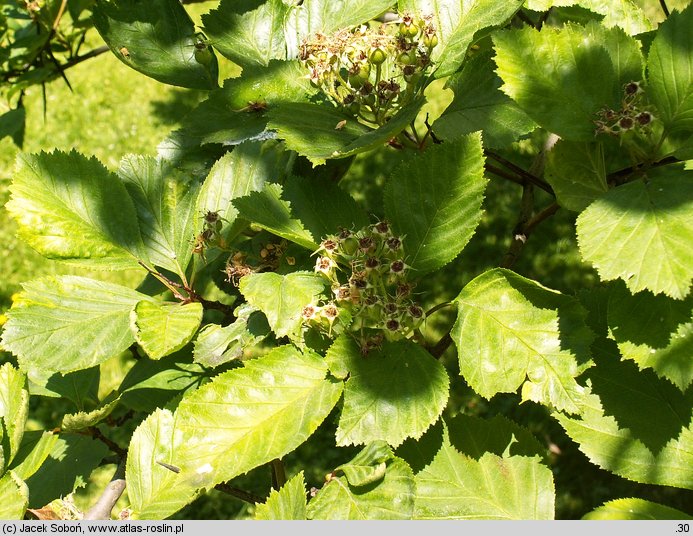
(634, 509)
(246, 169)
(236, 113)
(158, 39)
(322, 206)
(282, 297)
(480, 105)
(54, 312)
(622, 13)
(368, 466)
(454, 486)
(12, 124)
(396, 392)
(156, 488)
(150, 384)
(577, 173)
(70, 207)
(654, 331)
(165, 205)
(14, 409)
(161, 329)
(74, 422)
(216, 345)
(670, 73)
(283, 386)
(560, 77)
(269, 210)
(67, 468)
(249, 34)
(35, 448)
(635, 425)
(457, 24)
(533, 337)
(434, 201)
(391, 498)
(80, 387)
(642, 232)
(289, 503)
(15, 497)
(319, 133)
(474, 436)
(245, 35)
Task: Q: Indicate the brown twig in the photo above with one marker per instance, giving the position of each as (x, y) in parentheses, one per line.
(108, 499)
(278, 474)
(438, 349)
(94, 432)
(522, 173)
(664, 7)
(239, 493)
(617, 176)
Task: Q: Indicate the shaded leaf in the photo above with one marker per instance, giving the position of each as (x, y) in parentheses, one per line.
(12, 124)
(577, 173)
(289, 503)
(480, 105)
(158, 39)
(282, 297)
(642, 232)
(35, 447)
(434, 201)
(80, 387)
(165, 205)
(534, 337)
(392, 497)
(654, 331)
(396, 392)
(66, 468)
(70, 207)
(634, 424)
(319, 133)
(269, 210)
(54, 312)
(623, 13)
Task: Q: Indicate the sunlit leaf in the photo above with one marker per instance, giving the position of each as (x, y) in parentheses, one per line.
(289, 503)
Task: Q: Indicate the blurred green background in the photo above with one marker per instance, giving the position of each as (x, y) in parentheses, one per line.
(114, 111)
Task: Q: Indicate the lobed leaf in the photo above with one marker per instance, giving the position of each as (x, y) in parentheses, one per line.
(654, 331)
(534, 338)
(396, 392)
(282, 297)
(158, 39)
(434, 201)
(480, 105)
(289, 503)
(161, 329)
(454, 486)
(642, 232)
(54, 312)
(70, 207)
(458, 24)
(634, 424)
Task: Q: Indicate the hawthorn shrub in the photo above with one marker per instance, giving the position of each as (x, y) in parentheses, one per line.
(273, 302)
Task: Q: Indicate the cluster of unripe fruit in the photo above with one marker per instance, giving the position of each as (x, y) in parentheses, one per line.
(631, 116)
(372, 72)
(371, 296)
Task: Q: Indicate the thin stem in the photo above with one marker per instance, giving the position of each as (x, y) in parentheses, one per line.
(439, 348)
(94, 432)
(437, 308)
(503, 174)
(519, 234)
(616, 176)
(278, 473)
(529, 177)
(245, 496)
(664, 7)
